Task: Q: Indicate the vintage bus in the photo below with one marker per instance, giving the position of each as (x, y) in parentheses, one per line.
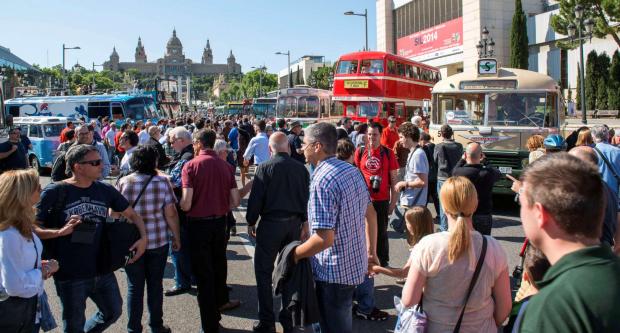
(500, 111)
(264, 107)
(117, 107)
(304, 104)
(377, 85)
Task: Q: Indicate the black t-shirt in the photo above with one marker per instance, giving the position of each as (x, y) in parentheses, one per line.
(17, 160)
(77, 260)
(483, 177)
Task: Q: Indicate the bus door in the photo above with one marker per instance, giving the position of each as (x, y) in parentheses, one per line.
(396, 109)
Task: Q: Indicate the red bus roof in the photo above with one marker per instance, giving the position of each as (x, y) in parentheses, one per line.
(381, 55)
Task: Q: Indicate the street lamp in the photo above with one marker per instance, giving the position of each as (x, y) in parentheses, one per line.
(365, 15)
(64, 80)
(94, 84)
(485, 45)
(290, 77)
(578, 28)
(260, 79)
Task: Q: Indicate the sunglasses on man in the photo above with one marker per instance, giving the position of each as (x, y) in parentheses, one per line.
(92, 163)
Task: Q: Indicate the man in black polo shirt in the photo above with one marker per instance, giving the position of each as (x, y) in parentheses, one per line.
(13, 154)
(484, 177)
(294, 142)
(279, 195)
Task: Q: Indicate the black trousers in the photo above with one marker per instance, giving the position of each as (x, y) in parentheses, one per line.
(17, 314)
(207, 241)
(383, 244)
(271, 237)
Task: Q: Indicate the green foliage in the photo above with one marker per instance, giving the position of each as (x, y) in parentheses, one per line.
(602, 77)
(613, 86)
(591, 82)
(321, 77)
(518, 39)
(602, 12)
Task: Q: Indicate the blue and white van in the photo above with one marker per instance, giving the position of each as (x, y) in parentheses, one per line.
(44, 134)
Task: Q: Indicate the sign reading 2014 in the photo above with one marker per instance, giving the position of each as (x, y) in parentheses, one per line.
(426, 38)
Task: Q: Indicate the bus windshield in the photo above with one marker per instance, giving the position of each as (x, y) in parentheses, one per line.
(264, 109)
(368, 109)
(53, 130)
(135, 109)
(308, 106)
(287, 106)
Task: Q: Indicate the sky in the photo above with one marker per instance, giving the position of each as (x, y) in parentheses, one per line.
(253, 29)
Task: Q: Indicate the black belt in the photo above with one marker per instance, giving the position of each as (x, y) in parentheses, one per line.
(206, 218)
(282, 219)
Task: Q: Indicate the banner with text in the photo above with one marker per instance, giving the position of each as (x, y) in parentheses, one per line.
(440, 40)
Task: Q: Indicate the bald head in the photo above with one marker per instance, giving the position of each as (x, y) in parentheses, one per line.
(278, 142)
(474, 153)
(585, 153)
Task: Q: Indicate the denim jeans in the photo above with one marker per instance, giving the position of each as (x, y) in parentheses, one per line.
(365, 295)
(183, 277)
(148, 269)
(335, 303)
(102, 290)
(443, 219)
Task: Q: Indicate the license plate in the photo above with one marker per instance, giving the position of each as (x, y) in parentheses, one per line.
(505, 169)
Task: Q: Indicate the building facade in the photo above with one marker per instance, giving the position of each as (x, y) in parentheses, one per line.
(301, 69)
(174, 64)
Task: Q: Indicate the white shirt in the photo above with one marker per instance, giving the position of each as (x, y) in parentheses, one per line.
(18, 277)
(109, 135)
(143, 136)
(127, 158)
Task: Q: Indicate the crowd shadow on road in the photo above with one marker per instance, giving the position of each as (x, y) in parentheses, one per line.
(513, 239)
(234, 255)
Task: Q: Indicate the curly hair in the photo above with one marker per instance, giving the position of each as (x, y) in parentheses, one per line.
(409, 130)
(534, 142)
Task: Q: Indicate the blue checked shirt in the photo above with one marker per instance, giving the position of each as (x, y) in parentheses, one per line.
(338, 201)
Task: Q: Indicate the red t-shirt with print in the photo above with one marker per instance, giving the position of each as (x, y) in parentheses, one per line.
(377, 162)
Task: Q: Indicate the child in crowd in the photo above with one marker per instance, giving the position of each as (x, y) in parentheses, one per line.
(419, 223)
(534, 268)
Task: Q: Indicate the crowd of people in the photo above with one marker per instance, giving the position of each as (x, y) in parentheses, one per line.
(320, 202)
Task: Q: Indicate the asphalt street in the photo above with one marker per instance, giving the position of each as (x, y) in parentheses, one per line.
(181, 312)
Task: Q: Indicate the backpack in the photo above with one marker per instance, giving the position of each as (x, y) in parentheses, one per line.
(59, 168)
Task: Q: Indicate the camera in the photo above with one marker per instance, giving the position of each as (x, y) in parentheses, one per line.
(375, 183)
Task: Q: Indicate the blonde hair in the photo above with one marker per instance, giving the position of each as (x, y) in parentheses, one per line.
(459, 200)
(16, 210)
(584, 138)
(420, 222)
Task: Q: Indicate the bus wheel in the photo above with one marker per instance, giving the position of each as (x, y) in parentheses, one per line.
(34, 163)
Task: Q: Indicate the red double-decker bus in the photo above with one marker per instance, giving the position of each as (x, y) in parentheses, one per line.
(377, 85)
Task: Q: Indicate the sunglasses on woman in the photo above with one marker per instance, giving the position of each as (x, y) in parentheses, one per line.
(92, 163)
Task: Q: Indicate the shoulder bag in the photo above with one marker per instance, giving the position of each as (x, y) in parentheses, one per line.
(610, 167)
(472, 284)
(118, 236)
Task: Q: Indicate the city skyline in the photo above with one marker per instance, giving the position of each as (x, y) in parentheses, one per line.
(320, 29)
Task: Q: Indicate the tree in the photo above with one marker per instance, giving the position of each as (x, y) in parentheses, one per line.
(602, 12)
(613, 86)
(602, 77)
(590, 80)
(578, 93)
(518, 39)
(321, 77)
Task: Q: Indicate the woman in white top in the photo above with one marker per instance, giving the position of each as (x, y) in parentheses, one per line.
(21, 269)
(442, 265)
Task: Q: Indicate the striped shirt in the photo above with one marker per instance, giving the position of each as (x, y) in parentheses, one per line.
(338, 201)
(158, 195)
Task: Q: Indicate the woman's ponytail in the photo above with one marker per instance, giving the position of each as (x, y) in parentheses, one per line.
(459, 239)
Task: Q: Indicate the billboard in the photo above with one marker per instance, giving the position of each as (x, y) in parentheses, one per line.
(440, 40)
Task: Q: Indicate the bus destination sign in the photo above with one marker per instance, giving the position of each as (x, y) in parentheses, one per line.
(356, 84)
(488, 84)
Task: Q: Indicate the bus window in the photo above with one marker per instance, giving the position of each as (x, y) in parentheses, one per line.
(350, 110)
(400, 67)
(151, 108)
(98, 109)
(338, 109)
(516, 109)
(400, 109)
(13, 110)
(287, 106)
(35, 131)
(551, 114)
(347, 67)
(308, 106)
(53, 130)
(391, 67)
(462, 109)
(135, 109)
(117, 111)
(372, 66)
(368, 109)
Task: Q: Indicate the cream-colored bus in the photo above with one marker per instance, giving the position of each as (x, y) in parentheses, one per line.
(500, 110)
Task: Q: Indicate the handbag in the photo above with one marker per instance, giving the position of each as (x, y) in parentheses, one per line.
(412, 319)
(118, 236)
(472, 284)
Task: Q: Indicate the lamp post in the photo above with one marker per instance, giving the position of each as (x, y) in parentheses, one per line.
(260, 79)
(94, 84)
(485, 45)
(290, 77)
(578, 28)
(64, 74)
(365, 15)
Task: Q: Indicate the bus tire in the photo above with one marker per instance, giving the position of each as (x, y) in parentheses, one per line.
(34, 163)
